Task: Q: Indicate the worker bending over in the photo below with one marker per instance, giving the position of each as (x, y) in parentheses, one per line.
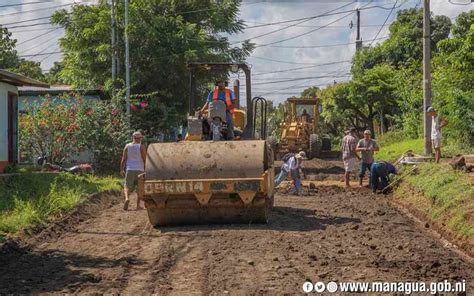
(291, 166)
(222, 93)
(379, 172)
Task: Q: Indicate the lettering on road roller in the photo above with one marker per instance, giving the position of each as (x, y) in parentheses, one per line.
(175, 187)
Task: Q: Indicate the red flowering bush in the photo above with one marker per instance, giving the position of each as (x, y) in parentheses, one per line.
(62, 127)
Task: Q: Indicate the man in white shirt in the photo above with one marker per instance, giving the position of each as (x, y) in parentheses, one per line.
(291, 165)
(437, 123)
(132, 165)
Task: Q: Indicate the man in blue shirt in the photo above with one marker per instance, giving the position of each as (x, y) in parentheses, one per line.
(379, 172)
(222, 93)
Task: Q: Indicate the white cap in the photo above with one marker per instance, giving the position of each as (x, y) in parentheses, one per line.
(301, 155)
(137, 134)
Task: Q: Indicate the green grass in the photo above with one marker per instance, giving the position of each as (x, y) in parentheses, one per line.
(447, 196)
(393, 151)
(31, 199)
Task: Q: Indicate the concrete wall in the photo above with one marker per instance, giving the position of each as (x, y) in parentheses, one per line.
(4, 89)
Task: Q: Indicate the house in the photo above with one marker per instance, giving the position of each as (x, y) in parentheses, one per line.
(33, 95)
(9, 83)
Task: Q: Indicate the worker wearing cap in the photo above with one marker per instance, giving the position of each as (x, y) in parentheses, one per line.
(132, 165)
(222, 93)
(366, 147)
(291, 166)
(437, 123)
(379, 172)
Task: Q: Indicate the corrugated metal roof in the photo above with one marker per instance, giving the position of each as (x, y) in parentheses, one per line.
(19, 80)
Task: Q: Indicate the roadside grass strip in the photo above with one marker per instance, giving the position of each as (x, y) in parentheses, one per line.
(447, 197)
(32, 199)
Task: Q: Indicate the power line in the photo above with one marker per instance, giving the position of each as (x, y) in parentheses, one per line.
(319, 46)
(311, 17)
(26, 3)
(314, 26)
(288, 62)
(39, 9)
(26, 21)
(306, 33)
(41, 44)
(386, 19)
(300, 68)
(30, 25)
(300, 79)
(327, 13)
(39, 54)
(37, 36)
(32, 30)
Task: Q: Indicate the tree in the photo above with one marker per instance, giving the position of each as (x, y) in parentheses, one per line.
(8, 55)
(164, 37)
(30, 69)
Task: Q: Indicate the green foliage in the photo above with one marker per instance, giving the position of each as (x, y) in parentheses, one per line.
(388, 81)
(276, 116)
(8, 54)
(393, 151)
(449, 195)
(32, 199)
(10, 60)
(60, 128)
(164, 37)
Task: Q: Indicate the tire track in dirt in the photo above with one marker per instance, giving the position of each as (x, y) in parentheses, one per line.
(333, 235)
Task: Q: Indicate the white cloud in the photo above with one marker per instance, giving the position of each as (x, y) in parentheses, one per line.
(257, 12)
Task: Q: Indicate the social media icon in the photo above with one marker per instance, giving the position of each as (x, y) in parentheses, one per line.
(319, 287)
(308, 287)
(331, 287)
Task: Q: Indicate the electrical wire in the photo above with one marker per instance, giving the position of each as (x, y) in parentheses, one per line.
(39, 54)
(40, 9)
(26, 21)
(300, 78)
(300, 68)
(386, 19)
(26, 3)
(319, 46)
(327, 13)
(38, 36)
(30, 25)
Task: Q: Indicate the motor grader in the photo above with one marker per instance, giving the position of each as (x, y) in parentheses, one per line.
(200, 181)
(299, 130)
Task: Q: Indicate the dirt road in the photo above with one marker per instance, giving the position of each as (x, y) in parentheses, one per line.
(333, 235)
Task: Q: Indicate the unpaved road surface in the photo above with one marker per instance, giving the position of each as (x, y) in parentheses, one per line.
(333, 235)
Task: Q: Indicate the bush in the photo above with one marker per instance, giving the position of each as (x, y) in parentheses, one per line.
(60, 128)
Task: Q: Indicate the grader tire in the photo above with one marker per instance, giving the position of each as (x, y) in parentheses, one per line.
(314, 146)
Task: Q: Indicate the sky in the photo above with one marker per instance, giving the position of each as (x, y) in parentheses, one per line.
(327, 41)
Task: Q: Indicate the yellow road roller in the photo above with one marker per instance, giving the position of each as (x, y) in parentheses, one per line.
(201, 181)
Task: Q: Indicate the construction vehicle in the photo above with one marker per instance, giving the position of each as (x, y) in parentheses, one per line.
(299, 132)
(199, 181)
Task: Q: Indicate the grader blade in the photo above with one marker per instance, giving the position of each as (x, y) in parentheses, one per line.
(208, 182)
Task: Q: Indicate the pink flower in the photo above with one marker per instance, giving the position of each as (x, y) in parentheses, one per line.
(133, 107)
(144, 105)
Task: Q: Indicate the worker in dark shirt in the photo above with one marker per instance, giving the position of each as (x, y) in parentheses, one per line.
(379, 172)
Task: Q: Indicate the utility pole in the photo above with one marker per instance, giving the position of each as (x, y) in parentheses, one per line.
(127, 65)
(114, 48)
(358, 40)
(426, 75)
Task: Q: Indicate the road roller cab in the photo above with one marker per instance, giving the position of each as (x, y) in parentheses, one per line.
(197, 181)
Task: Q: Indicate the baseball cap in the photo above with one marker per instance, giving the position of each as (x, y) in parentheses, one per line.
(137, 134)
(301, 155)
(367, 132)
(430, 109)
